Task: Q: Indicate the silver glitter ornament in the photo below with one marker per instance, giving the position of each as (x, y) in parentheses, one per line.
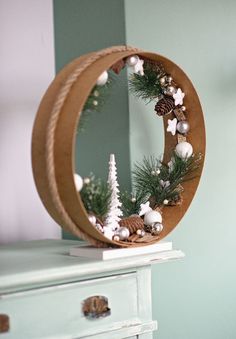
(183, 127)
(169, 79)
(157, 228)
(123, 233)
(170, 90)
(142, 234)
(163, 80)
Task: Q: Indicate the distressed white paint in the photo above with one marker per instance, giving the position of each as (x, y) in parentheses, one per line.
(26, 68)
(51, 277)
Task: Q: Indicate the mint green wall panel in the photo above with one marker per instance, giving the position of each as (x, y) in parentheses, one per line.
(196, 298)
(82, 26)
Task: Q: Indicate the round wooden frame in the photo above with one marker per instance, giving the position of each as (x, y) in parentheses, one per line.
(54, 135)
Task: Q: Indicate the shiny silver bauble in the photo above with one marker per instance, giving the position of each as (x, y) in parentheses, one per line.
(123, 233)
(157, 228)
(183, 127)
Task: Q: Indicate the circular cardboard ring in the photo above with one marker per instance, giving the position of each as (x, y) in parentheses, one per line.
(54, 135)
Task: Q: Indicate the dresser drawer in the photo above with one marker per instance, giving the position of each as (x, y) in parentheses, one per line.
(57, 312)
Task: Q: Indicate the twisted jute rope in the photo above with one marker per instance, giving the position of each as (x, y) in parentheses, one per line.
(50, 138)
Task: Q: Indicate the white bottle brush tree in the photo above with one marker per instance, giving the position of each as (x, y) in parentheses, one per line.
(114, 212)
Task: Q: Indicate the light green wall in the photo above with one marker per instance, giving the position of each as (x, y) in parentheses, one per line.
(195, 299)
(82, 26)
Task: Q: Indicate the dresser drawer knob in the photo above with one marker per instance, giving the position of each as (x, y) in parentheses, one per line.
(96, 307)
(4, 323)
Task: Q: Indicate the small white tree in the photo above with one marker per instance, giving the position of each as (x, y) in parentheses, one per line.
(114, 213)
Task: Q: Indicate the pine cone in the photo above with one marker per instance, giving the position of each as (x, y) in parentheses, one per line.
(177, 200)
(165, 106)
(133, 223)
(155, 66)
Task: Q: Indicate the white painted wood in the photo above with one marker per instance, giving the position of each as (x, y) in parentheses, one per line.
(26, 68)
(43, 263)
(142, 331)
(113, 253)
(40, 283)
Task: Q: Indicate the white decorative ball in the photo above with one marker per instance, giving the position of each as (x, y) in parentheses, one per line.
(123, 233)
(184, 150)
(108, 232)
(138, 232)
(165, 201)
(102, 79)
(87, 181)
(152, 217)
(116, 238)
(92, 219)
(132, 60)
(78, 182)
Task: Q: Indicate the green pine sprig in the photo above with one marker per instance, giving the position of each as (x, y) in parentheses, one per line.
(161, 181)
(96, 100)
(96, 196)
(147, 86)
(131, 202)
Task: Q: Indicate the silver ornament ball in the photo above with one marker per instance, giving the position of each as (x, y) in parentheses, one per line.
(170, 90)
(132, 60)
(163, 80)
(183, 127)
(157, 228)
(133, 199)
(169, 79)
(123, 233)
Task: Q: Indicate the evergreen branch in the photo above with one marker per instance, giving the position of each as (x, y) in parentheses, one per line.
(131, 202)
(147, 86)
(96, 100)
(164, 184)
(96, 197)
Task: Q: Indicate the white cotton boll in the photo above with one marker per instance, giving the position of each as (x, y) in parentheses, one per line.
(184, 150)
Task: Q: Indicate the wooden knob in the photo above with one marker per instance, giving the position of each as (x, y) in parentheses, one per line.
(4, 323)
(96, 307)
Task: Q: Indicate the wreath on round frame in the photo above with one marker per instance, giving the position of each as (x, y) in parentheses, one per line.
(158, 185)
